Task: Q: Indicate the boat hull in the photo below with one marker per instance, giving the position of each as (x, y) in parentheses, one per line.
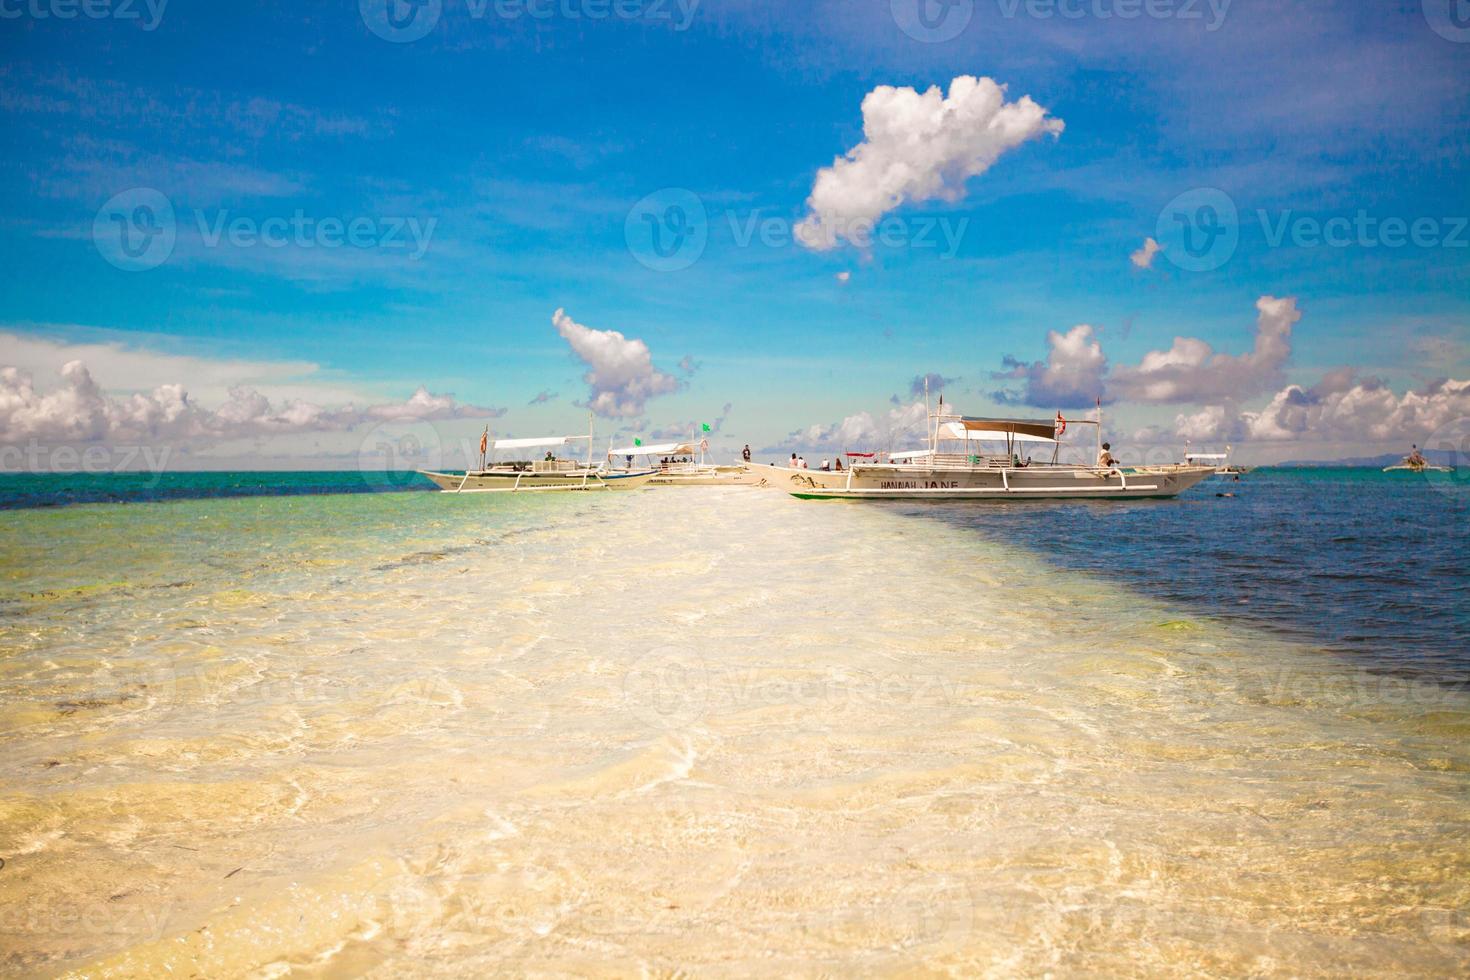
(785, 478)
(1025, 483)
(492, 482)
(715, 476)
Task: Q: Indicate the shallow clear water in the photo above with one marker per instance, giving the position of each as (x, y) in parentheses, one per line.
(722, 731)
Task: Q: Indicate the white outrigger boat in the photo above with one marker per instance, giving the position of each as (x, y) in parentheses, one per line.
(1416, 463)
(1220, 461)
(551, 473)
(962, 463)
(676, 466)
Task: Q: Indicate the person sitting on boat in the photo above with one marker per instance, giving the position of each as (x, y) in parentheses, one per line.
(1105, 460)
(826, 466)
(549, 456)
(794, 464)
(837, 464)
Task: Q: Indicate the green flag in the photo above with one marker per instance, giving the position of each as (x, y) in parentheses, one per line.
(706, 427)
(637, 442)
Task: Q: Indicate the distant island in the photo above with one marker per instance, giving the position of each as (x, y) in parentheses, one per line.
(1438, 457)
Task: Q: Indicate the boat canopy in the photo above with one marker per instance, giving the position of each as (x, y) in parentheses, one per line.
(1206, 455)
(910, 454)
(1020, 430)
(546, 441)
(660, 449)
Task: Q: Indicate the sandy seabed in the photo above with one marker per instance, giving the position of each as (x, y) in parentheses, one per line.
(715, 732)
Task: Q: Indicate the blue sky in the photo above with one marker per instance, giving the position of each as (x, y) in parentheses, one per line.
(519, 146)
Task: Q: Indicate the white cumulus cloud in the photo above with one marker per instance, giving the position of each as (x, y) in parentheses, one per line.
(77, 410)
(866, 432)
(1070, 377)
(1144, 257)
(1191, 370)
(620, 372)
(917, 147)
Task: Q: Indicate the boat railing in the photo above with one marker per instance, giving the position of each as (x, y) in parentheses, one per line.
(554, 466)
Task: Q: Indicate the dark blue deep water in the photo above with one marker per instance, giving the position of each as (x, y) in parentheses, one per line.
(1370, 564)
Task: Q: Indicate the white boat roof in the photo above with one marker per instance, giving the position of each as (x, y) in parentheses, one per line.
(909, 454)
(967, 430)
(535, 443)
(658, 449)
(1206, 455)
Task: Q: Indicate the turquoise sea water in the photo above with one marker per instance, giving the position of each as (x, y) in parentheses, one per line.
(1371, 565)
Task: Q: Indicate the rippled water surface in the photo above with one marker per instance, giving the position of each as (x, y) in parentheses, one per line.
(719, 731)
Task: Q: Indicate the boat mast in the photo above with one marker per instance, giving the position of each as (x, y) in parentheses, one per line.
(933, 425)
(1099, 426)
(590, 434)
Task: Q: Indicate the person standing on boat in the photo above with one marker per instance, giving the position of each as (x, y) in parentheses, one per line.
(745, 453)
(794, 464)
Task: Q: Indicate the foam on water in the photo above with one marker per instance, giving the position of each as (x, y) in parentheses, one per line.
(721, 731)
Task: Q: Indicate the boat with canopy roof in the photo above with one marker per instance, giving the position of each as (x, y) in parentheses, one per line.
(674, 465)
(990, 459)
(536, 475)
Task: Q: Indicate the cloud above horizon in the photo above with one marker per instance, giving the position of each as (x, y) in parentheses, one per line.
(78, 410)
(1342, 406)
(1076, 371)
(864, 431)
(917, 148)
(620, 375)
(1070, 377)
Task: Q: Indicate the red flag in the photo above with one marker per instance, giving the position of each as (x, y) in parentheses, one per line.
(484, 442)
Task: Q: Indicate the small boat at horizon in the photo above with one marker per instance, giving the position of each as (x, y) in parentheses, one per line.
(1416, 463)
